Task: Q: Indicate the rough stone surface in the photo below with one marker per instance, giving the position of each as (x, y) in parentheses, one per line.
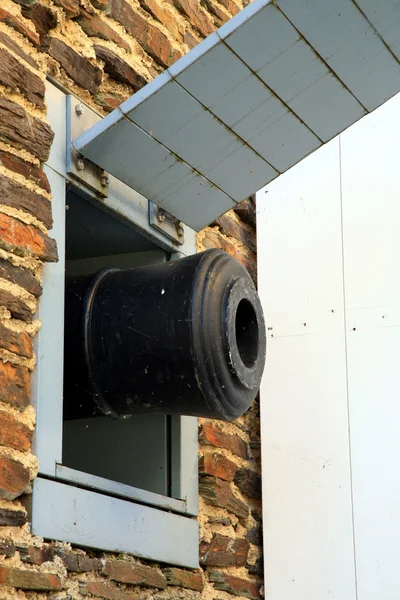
(218, 465)
(44, 19)
(210, 434)
(224, 551)
(79, 68)
(22, 167)
(248, 482)
(12, 518)
(14, 479)
(17, 76)
(219, 493)
(197, 16)
(22, 131)
(96, 26)
(134, 573)
(14, 385)
(185, 579)
(17, 196)
(153, 40)
(36, 556)
(23, 239)
(14, 434)
(16, 23)
(7, 547)
(70, 7)
(235, 585)
(118, 68)
(20, 276)
(99, 589)
(29, 580)
(15, 47)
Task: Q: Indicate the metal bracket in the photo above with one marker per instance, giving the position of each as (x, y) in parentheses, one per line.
(79, 119)
(170, 226)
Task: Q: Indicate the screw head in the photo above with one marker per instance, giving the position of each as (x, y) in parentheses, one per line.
(160, 217)
(80, 164)
(104, 181)
(79, 109)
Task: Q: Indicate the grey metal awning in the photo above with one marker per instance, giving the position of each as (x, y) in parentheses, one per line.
(270, 86)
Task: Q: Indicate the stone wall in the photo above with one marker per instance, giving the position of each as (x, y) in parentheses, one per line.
(103, 50)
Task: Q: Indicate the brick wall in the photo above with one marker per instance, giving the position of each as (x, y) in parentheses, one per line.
(103, 50)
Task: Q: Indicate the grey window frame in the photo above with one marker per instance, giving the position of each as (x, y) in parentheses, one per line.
(77, 507)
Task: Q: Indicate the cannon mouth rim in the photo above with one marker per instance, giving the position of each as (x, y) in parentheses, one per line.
(245, 333)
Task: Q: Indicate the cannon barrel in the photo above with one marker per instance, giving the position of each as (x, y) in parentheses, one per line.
(182, 337)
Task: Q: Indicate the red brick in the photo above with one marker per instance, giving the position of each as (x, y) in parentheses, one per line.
(134, 573)
(218, 465)
(149, 36)
(20, 238)
(14, 479)
(22, 131)
(15, 341)
(17, 24)
(217, 492)
(13, 433)
(224, 551)
(235, 585)
(107, 591)
(97, 26)
(210, 434)
(29, 580)
(14, 385)
(186, 579)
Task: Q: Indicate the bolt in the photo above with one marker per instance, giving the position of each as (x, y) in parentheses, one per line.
(160, 217)
(79, 109)
(179, 230)
(104, 181)
(80, 164)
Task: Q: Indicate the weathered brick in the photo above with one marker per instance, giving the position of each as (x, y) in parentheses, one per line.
(166, 16)
(44, 19)
(14, 74)
(71, 7)
(231, 6)
(14, 385)
(12, 45)
(100, 4)
(190, 39)
(85, 564)
(255, 535)
(16, 305)
(79, 68)
(149, 36)
(22, 131)
(217, 492)
(18, 342)
(210, 434)
(197, 16)
(13, 433)
(17, 24)
(14, 479)
(23, 239)
(36, 556)
(134, 573)
(70, 559)
(109, 100)
(77, 562)
(220, 15)
(18, 196)
(22, 167)
(7, 547)
(235, 585)
(186, 579)
(96, 26)
(235, 229)
(20, 276)
(29, 580)
(248, 482)
(119, 70)
(224, 551)
(107, 591)
(218, 465)
(12, 518)
(246, 211)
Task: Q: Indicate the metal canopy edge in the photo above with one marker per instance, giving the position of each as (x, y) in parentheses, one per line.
(272, 85)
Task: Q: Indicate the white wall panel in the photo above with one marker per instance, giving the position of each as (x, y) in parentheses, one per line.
(305, 448)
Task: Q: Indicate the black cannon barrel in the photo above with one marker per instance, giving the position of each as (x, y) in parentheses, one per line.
(182, 337)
